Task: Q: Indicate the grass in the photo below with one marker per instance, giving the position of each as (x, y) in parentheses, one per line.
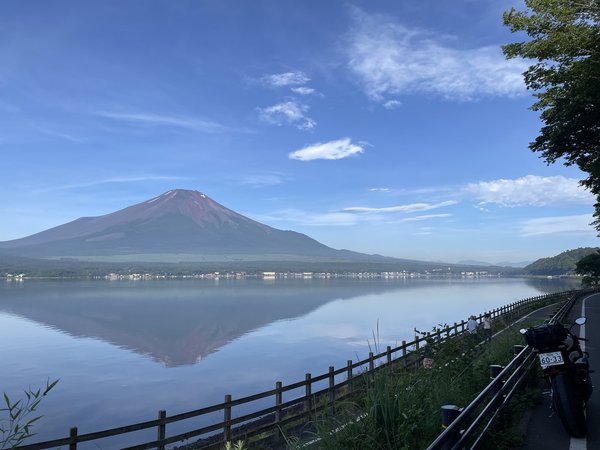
(401, 410)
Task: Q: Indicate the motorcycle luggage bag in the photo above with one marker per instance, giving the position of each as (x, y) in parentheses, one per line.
(545, 335)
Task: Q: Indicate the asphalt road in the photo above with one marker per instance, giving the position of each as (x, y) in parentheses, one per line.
(544, 429)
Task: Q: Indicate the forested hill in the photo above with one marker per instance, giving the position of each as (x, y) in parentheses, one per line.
(561, 264)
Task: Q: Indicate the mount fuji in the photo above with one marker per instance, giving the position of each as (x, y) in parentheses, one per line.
(181, 222)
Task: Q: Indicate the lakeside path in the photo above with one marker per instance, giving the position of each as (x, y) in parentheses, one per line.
(544, 429)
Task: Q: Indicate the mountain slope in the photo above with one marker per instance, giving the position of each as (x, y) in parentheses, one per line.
(176, 222)
(561, 264)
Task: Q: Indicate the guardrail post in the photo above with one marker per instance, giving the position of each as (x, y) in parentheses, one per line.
(462, 326)
(495, 370)
(227, 419)
(371, 362)
(308, 392)
(73, 435)
(455, 328)
(278, 402)
(389, 357)
(449, 415)
(404, 361)
(518, 349)
(162, 429)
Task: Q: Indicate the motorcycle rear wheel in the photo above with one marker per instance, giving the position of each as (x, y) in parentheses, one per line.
(569, 405)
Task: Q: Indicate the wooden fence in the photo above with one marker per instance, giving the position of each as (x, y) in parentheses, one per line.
(307, 397)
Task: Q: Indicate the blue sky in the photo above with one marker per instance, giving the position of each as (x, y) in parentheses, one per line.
(391, 127)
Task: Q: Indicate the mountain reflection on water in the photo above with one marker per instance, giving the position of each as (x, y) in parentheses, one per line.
(178, 322)
(175, 322)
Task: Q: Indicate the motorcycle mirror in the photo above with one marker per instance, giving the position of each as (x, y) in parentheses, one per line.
(523, 330)
(581, 320)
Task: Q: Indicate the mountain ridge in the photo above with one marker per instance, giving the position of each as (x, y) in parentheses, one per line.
(178, 221)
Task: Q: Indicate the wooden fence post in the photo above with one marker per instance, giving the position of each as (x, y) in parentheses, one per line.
(162, 429)
(418, 360)
(455, 328)
(278, 402)
(331, 385)
(308, 392)
(389, 357)
(349, 375)
(404, 361)
(371, 362)
(73, 435)
(227, 419)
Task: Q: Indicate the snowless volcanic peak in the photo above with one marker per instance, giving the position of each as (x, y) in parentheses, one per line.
(192, 204)
(176, 222)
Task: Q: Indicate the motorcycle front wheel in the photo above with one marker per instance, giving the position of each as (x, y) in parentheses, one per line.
(569, 405)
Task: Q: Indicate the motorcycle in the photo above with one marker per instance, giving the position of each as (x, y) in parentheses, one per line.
(566, 370)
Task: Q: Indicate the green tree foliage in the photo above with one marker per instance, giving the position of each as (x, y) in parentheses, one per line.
(561, 264)
(565, 75)
(589, 267)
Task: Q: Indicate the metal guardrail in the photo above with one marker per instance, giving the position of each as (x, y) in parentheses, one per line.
(298, 406)
(471, 423)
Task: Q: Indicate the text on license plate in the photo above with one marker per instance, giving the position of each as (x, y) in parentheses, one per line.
(551, 359)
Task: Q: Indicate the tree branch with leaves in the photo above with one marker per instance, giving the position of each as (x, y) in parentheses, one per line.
(564, 46)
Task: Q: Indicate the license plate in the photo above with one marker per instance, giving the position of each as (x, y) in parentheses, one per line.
(551, 359)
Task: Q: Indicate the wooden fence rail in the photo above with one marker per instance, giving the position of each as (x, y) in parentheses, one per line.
(270, 420)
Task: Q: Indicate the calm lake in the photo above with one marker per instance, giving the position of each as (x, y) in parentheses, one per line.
(125, 349)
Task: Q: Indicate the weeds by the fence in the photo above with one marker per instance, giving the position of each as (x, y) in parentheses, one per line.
(401, 409)
(20, 416)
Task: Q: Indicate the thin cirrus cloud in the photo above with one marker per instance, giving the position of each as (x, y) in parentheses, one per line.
(425, 217)
(261, 180)
(113, 180)
(413, 207)
(579, 224)
(342, 148)
(309, 218)
(144, 119)
(304, 90)
(530, 190)
(285, 79)
(390, 59)
(290, 112)
(392, 104)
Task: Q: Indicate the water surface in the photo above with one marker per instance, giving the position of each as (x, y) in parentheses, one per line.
(123, 350)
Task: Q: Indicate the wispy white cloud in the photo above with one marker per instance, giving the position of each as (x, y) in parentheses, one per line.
(339, 149)
(308, 218)
(390, 59)
(289, 112)
(65, 187)
(285, 79)
(425, 217)
(530, 190)
(304, 90)
(392, 104)
(337, 218)
(144, 119)
(262, 180)
(380, 189)
(413, 207)
(558, 225)
(62, 135)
